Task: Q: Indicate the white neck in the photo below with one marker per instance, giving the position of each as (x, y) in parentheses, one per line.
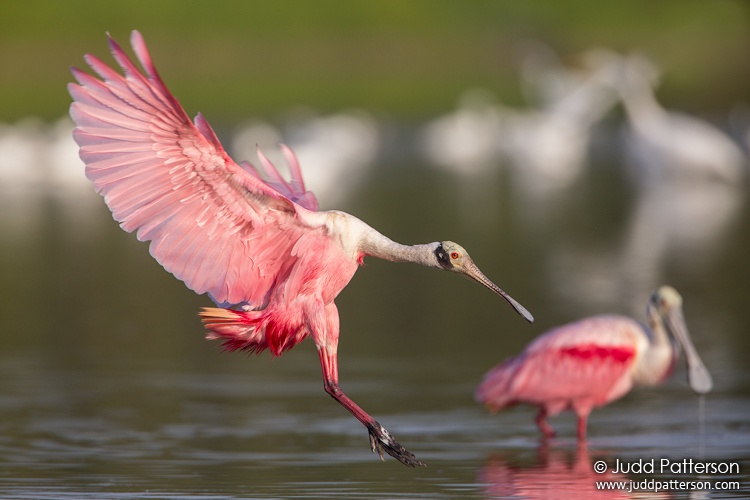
(358, 238)
(382, 247)
(656, 361)
(640, 101)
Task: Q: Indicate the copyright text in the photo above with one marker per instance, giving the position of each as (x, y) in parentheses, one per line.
(667, 466)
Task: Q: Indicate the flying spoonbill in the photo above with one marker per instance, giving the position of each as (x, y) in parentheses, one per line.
(250, 239)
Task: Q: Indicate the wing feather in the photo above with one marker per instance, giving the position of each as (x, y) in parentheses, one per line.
(219, 227)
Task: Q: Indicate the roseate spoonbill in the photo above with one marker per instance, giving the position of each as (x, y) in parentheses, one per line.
(593, 361)
(253, 242)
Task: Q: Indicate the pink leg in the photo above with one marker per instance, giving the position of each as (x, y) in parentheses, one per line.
(326, 335)
(380, 439)
(541, 422)
(582, 424)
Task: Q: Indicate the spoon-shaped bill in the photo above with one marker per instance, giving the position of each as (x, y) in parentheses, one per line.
(698, 376)
(474, 273)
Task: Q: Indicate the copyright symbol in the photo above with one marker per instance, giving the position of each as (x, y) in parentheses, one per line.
(600, 466)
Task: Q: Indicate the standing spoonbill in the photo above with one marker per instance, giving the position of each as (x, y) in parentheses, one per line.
(588, 363)
(255, 243)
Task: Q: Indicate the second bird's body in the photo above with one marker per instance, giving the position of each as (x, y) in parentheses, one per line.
(594, 361)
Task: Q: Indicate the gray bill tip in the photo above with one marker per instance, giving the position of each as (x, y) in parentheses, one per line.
(473, 272)
(519, 308)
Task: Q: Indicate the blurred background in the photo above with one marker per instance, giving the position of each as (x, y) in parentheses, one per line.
(583, 152)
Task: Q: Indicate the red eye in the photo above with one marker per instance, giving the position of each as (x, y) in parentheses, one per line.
(454, 255)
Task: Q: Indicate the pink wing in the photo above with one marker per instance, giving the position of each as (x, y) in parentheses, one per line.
(589, 359)
(218, 227)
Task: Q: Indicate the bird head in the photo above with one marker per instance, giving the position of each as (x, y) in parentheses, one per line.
(665, 306)
(453, 257)
(665, 299)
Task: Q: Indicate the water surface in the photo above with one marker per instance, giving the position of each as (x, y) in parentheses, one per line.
(108, 389)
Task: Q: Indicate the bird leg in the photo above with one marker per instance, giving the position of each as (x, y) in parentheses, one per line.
(582, 422)
(541, 422)
(380, 439)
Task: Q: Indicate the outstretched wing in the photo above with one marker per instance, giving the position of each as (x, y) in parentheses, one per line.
(218, 227)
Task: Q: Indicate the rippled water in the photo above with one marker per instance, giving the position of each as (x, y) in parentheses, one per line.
(108, 390)
(272, 433)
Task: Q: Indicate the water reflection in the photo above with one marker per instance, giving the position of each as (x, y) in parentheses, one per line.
(232, 427)
(676, 224)
(555, 473)
(671, 223)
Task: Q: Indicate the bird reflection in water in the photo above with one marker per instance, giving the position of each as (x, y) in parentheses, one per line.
(559, 474)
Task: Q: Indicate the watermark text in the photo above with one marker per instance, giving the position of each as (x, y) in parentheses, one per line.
(669, 467)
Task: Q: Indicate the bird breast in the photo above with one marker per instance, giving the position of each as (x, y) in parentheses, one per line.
(350, 233)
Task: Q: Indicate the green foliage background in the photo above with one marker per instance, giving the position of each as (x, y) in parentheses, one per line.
(402, 59)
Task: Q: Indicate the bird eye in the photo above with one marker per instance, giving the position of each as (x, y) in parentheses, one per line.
(454, 255)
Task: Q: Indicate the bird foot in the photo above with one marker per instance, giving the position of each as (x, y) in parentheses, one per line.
(381, 440)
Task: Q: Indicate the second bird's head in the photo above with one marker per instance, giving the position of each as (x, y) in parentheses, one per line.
(453, 257)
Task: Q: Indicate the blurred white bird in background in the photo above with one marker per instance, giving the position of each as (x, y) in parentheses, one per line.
(690, 179)
(337, 150)
(546, 145)
(38, 163)
(690, 176)
(466, 141)
(20, 175)
(663, 143)
(549, 146)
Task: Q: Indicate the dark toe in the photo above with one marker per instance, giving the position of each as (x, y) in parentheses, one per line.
(381, 440)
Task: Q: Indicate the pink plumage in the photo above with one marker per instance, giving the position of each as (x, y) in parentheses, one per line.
(589, 363)
(173, 182)
(253, 241)
(580, 366)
